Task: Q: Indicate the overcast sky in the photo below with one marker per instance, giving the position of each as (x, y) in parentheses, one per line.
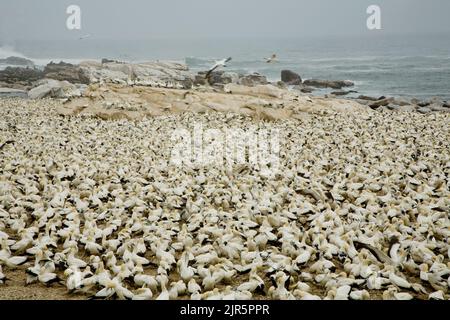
(137, 19)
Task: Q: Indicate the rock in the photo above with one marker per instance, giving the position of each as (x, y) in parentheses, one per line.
(9, 92)
(401, 102)
(392, 107)
(384, 108)
(333, 84)
(424, 110)
(343, 93)
(380, 103)
(66, 72)
(420, 103)
(406, 108)
(367, 98)
(290, 77)
(281, 85)
(304, 89)
(446, 105)
(216, 78)
(20, 76)
(50, 88)
(423, 103)
(17, 61)
(259, 90)
(438, 108)
(436, 100)
(252, 80)
(104, 60)
(153, 74)
(363, 101)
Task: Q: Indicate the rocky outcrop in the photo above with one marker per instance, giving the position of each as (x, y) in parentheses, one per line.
(216, 78)
(343, 92)
(17, 61)
(20, 78)
(9, 92)
(368, 98)
(381, 103)
(50, 88)
(153, 74)
(252, 80)
(221, 78)
(66, 72)
(333, 84)
(110, 101)
(290, 77)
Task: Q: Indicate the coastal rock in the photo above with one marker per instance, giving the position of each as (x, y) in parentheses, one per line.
(290, 77)
(438, 108)
(281, 85)
(363, 102)
(216, 78)
(424, 110)
(401, 102)
(368, 98)
(406, 108)
(50, 88)
(105, 60)
(66, 72)
(252, 80)
(333, 84)
(303, 88)
(420, 103)
(17, 61)
(9, 92)
(446, 105)
(343, 92)
(153, 74)
(20, 76)
(380, 103)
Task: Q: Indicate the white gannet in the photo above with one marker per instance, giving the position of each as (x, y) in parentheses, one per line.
(220, 63)
(273, 58)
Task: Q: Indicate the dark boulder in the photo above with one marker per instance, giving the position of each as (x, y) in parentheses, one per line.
(343, 92)
(333, 84)
(20, 78)
(290, 77)
(367, 98)
(66, 72)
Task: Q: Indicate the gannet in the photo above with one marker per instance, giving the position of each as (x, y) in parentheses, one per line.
(220, 63)
(84, 37)
(273, 58)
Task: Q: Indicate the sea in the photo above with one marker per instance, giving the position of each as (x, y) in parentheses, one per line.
(390, 65)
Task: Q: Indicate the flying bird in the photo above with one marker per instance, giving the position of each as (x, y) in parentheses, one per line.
(84, 37)
(220, 63)
(273, 58)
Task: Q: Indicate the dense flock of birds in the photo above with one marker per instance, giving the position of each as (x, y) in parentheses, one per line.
(359, 209)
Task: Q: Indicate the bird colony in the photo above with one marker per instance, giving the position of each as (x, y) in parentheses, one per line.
(358, 210)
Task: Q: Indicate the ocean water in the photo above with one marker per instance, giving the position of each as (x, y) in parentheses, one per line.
(409, 66)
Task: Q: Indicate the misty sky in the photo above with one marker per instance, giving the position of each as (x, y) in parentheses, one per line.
(137, 19)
